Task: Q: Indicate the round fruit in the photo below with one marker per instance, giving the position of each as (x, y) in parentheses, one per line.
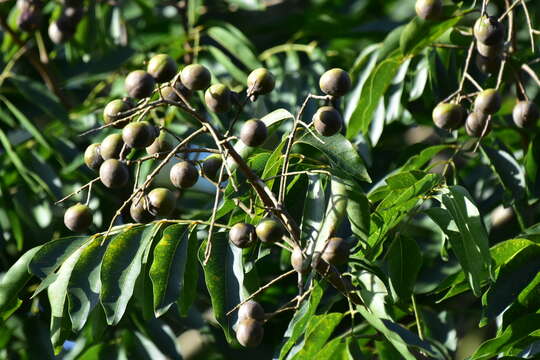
(488, 102)
(162, 67)
(92, 157)
(111, 147)
(218, 98)
(162, 144)
(488, 65)
(335, 82)
(488, 30)
(525, 114)
(297, 261)
(269, 231)
(184, 175)
(161, 202)
(211, 168)
(170, 94)
(139, 84)
(30, 17)
(113, 108)
(196, 77)
(327, 121)
(336, 251)
(429, 9)
(138, 211)
(138, 135)
(260, 81)
(242, 235)
(249, 333)
(113, 174)
(253, 132)
(475, 123)
(251, 310)
(59, 34)
(490, 51)
(78, 218)
(448, 116)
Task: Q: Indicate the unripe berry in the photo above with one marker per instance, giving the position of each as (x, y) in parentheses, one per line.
(327, 121)
(92, 156)
(490, 51)
(78, 218)
(488, 102)
(428, 9)
(242, 235)
(211, 168)
(298, 262)
(161, 145)
(111, 147)
(269, 231)
(525, 114)
(335, 82)
(253, 132)
(196, 77)
(336, 251)
(171, 94)
(161, 202)
(474, 126)
(218, 98)
(139, 84)
(183, 175)
(488, 30)
(113, 108)
(249, 333)
(59, 34)
(251, 310)
(162, 67)
(448, 116)
(260, 81)
(138, 212)
(138, 135)
(113, 174)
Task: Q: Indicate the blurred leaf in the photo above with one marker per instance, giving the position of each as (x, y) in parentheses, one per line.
(52, 254)
(248, 4)
(235, 46)
(421, 33)
(405, 260)
(313, 214)
(238, 74)
(531, 164)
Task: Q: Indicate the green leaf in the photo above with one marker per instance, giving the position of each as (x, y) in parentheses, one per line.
(234, 45)
(313, 214)
(121, 267)
(358, 211)
(418, 161)
(404, 260)
(318, 331)
(508, 171)
(337, 349)
(532, 164)
(52, 254)
(174, 255)
(238, 74)
(248, 4)
(418, 34)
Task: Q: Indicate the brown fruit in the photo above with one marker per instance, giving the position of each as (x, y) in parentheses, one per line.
(92, 156)
(336, 251)
(139, 84)
(138, 212)
(184, 175)
(260, 81)
(170, 94)
(211, 168)
(162, 68)
(196, 77)
(161, 202)
(474, 126)
(335, 82)
(242, 235)
(488, 102)
(488, 30)
(429, 9)
(138, 135)
(113, 174)
(218, 98)
(525, 114)
(58, 33)
(113, 108)
(249, 333)
(111, 147)
(78, 218)
(327, 121)
(488, 65)
(251, 310)
(490, 51)
(448, 116)
(253, 132)
(269, 231)
(298, 262)
(162, 144)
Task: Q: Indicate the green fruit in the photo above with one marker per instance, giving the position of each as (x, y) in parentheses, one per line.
(490, 51)
(260, 81)
(211, 168)
(525, 114)
(448, 116)
(253, 132)
(327, 121)
(488, 30)
(336, 251)
(111, 147)
(196, 77)
(170, 94)
(475, 123)
(138, 135)
(335, 82)
(218, 98)
(251, 310)
(488, 102)
(162, 67)
(162, 145)
(113, 108)
(269, 231)
(78, 218)
(249, 333)
(242, 235)
(298, 262)
(183, 175)
(113, 174)
(139, 84)
(92, 156)
(138, 212)
(161, 201)
(488, 65)
(429, 9)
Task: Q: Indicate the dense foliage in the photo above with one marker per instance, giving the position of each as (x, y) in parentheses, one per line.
(323, 179)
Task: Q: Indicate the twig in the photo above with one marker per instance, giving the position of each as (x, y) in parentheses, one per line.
(77, 191)
(531, 73)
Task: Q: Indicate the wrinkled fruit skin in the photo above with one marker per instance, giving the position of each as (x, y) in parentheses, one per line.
(183, 175)
(490, 51)
(448, 116)
(113, 174)
(242, 235)
(251, 310)
(260, 82)
(161, 201)
(139, 84)
(297, 261)
(112, 110)
(78, 218)
(111, 147)
(474, 126)
(138, 135)
(525, 114)
(335, 82)
(327, 121)
(218, 98)
(161, 145)
(92, 156)
(196, 77)
(269, 231)
(428, 9)
(488, 65)
(162, 67)
(138, 213)
(336, 251)
(488, 102)
(488, 30)
(211, 168)
(249, 333)
(253, 132)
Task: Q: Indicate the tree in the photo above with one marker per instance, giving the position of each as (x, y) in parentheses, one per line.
(209, 171)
